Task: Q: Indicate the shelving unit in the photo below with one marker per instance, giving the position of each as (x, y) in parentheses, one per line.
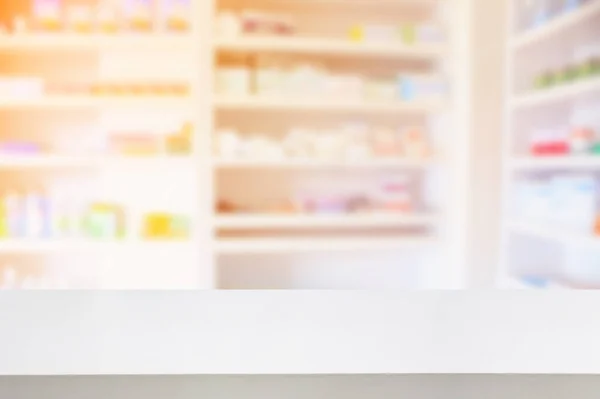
(297, 250)
(549, 247)
(143, 184)
(423, 248)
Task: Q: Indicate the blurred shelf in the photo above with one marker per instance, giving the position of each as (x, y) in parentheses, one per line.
(554, 233)
(556, 162)
(258, 103)
(91, 102)
(315, 164)
(332, 47)
(517, 283)
(300, 221)
(558, 26)
(562, 93)
(34, 246)
(368, 3)
(59, 41)
(321, 244)
(59, 161)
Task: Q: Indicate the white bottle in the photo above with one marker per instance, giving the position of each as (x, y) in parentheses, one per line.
(34, 220)
(15, 214)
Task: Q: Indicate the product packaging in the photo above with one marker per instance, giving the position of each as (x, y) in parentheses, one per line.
(228, 144)
(546, 80)
(48, 15)
(108, 19)
(15, 213)
(105, 221)
(379, 33)
(385, 143)
(268, 79)
(408, 34)
(79, 19)
(393, 195)
(356, 33)
(259, 23)
(228, 25)
(4, 220)
(34, 214)
(584, 120)
(176, 15)
(414, 143)
(581, 206)
(157, 226)
(180, 143)
(571, 5)
(233, 81)
(429, 33)
(282, 25)
(582, 265)
(139, 15)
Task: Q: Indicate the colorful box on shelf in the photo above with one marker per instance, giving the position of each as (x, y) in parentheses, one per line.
(352, 142)
(109, 17)
(538, 13)
(165, 226)
(105, 221)
(406, 33)
(392, 195)
(15, 148)
(585, 64)
(180, 143)
(138, 89)
(136, 144)
(177, 14)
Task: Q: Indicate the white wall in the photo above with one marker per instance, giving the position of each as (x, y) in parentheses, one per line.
(303, 387)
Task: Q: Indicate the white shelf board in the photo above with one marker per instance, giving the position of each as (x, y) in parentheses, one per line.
(321, 244)
(299, 221)
(92, 102)
(554, 233)
(515, 283)
(59, 41)
(565, 92)
(60, 161)
(558, 26)
(316, 164)
(333, 47)
(258, 103)
(556, 162)
(79, 245)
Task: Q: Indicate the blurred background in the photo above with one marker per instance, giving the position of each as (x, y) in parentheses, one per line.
(299, 144)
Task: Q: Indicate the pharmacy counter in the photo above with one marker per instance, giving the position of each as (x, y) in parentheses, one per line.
(53, 333)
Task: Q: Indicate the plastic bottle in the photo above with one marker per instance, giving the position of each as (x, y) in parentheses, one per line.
(33, 214)
(4, 223)
(541, 12)
(176, 15)
(15, 215)
(571, 5)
